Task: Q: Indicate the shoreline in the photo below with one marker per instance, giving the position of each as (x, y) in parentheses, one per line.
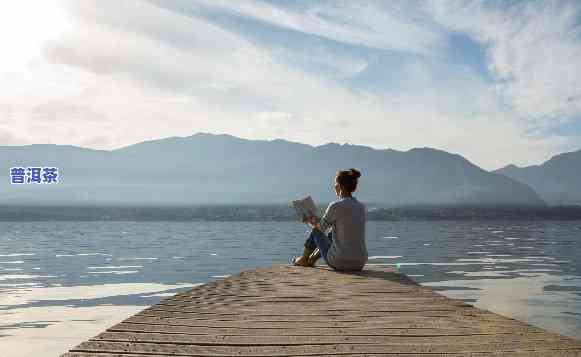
(277, 213)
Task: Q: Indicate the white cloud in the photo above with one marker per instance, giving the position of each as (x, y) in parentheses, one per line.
(23, 32)
(6, 137)
(534, 50)
(461, 114)
(395, 25)
(119, 79)
(324, 62)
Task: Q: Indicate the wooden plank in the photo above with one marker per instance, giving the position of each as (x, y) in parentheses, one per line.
(338, 307)
(387, 329)
(251, 324)
(200, 348)
(293, 311)
(367, 331)
(102, 354)
(316, 339)
(554, 353)
(411, 321)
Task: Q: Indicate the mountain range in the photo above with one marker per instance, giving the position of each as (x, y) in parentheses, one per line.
(557, 181)
(222, 169)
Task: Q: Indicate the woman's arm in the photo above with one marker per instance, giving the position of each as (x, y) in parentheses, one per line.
(326, 221)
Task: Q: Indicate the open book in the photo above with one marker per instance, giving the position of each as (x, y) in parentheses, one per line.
(305, 209)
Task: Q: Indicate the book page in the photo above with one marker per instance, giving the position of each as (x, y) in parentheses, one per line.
(305, 208)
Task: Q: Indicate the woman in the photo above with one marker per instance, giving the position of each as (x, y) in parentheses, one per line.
(344, 247)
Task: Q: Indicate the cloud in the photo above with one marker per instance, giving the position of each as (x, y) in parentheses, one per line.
(6, 137)
(395, 25)
(175, 70)
(457, 111)
(211, 79)
(322, 61)
(533, 50)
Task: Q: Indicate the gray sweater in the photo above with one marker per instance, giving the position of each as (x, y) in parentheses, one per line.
(346, 217)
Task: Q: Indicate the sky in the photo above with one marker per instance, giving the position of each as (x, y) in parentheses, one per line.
(498, 82)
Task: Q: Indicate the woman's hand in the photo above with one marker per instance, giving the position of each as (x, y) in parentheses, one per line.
(314, 221)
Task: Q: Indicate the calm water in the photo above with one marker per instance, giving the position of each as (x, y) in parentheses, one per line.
(63, 282)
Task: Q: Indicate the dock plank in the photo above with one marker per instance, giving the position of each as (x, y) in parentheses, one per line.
(294, 311)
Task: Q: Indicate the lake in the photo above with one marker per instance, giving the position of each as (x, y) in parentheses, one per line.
(62, 282)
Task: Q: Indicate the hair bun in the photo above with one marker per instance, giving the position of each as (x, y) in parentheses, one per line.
(355, 173)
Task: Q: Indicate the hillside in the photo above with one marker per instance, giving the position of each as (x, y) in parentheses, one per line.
(222, 169)
(557, 181)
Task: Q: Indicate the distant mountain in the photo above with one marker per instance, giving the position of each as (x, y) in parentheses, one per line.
(557, 181)
(222, 169)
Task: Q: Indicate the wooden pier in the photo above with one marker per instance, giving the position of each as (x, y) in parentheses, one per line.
(295, 311)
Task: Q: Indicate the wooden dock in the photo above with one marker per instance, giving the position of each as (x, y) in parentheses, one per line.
(295, 311)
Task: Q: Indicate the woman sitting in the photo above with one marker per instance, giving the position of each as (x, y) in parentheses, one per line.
(344, 247)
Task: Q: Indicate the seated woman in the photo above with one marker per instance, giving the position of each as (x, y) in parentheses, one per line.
(344, 247)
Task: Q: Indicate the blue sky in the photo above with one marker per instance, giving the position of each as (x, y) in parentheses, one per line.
(495, 81)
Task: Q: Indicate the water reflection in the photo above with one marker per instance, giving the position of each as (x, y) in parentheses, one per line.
(46, 321)
(523, 294)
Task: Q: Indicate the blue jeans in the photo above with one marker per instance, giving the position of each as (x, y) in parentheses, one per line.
(318, 239)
